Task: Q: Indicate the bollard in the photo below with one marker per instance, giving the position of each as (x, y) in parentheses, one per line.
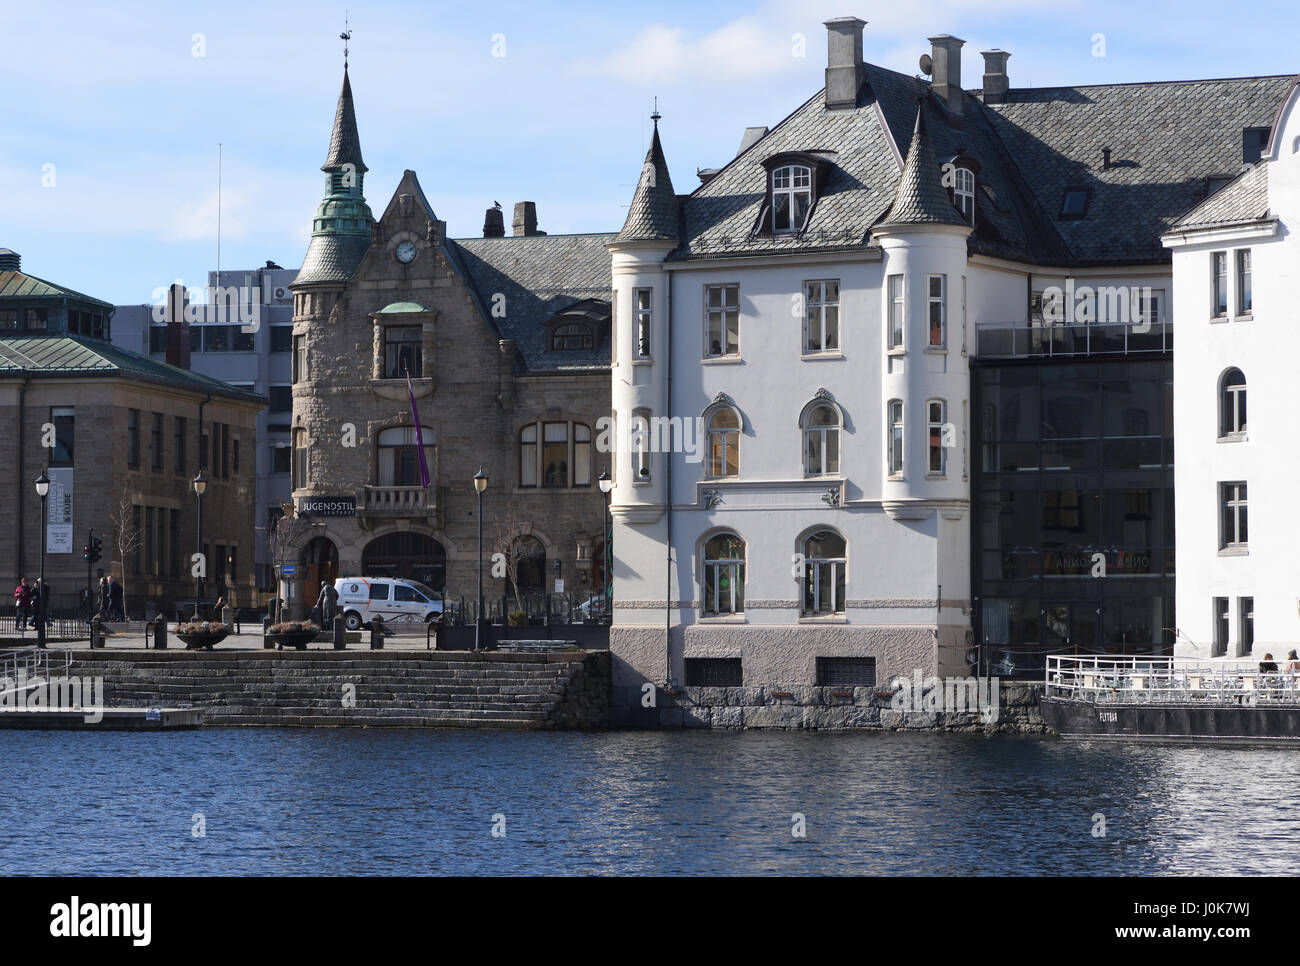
(340, 642)
(160, 633)
(376, 634)
(266, 633)
(96, 633)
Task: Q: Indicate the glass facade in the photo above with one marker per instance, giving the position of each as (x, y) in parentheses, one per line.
(1073, 526)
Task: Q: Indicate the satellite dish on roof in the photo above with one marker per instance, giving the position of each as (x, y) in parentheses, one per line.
(927, 65)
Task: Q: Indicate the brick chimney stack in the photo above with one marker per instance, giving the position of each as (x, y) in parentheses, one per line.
(996, 83)
(845, 69)
(525, 222)
(945, 81)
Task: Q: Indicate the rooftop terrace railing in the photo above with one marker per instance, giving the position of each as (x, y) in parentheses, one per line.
(1041, 339)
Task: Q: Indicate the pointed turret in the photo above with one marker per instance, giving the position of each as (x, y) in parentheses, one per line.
(921, 198)
(341, 229)
(655, 214)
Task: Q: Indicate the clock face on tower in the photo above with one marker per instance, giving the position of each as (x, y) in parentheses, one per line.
(405, 252)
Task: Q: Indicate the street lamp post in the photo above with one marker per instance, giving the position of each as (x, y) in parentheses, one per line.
(200, 484)
(606, 485)
(480, 484)
(43, 491)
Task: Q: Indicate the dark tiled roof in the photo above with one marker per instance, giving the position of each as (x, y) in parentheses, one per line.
(540, 277)
(1165, 138)
(921, 198)
(1241, 201)
(345, 143)
(332, 258)
(655, 214)
(21, 285)
(73, 355)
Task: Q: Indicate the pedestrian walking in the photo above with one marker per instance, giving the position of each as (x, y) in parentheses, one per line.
(115, 611)
(102, 603)
(22, 604)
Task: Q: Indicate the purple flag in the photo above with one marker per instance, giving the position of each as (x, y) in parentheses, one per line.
(419, 434)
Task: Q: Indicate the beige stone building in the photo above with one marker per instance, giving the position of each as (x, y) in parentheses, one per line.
(120, 437)
(506, 344)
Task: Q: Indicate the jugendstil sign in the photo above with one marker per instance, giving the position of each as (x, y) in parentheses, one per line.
(328, 506)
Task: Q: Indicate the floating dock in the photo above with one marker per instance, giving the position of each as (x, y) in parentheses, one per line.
(104, 719)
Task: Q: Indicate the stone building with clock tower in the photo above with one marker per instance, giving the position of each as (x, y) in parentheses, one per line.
(505, 341)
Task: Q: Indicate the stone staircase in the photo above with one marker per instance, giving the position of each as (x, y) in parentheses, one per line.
(437, 689)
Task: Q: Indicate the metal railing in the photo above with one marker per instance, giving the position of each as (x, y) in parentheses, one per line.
(55, 627)
(1046, 339)
(1167, 680)
(33, 664)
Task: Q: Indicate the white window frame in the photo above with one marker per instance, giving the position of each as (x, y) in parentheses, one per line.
(1242, 263)
(935, 426)
(642, 466)
(940, 302)
(1219, 285)
(1236, 426)
(963, 191)
(896, 316)
(817, 306)
(812, 573)
(720, 311)
(729, 441)
(715, 569)
(823, 434)
(643, 345)
(792, 182)
(895, 437)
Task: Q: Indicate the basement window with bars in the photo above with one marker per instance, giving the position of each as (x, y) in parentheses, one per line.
(713, 672)
(846, 672)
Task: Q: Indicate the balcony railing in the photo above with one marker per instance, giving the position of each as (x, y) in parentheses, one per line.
(398, 500)
(1039, 339)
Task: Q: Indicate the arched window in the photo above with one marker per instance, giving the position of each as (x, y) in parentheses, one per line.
(724, 442)
(963, 191)
(299, 458)
(894, 436)
(399, 456)
(1232, 403)
(825, 562)
(791, 197)
(571, 336)
(821, 436)
(724, 575)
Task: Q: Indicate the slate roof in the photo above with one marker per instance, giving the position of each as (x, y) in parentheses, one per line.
(22, 285)
(1243, 200)
(921, 198)
(345, 143)
(1166, 138)
(332, 258)
(73, 355)
(540, 276)
(654, 214)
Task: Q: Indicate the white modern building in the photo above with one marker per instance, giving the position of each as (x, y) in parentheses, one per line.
(1236, 268)
(894, 384)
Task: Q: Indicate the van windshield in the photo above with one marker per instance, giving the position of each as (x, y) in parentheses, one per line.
(430, 594)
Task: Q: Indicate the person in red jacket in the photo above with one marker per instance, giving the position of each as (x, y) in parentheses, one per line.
(23, 605)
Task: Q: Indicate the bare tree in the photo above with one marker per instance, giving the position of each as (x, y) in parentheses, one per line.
(126, 534)
(508, 550)
(283, 536)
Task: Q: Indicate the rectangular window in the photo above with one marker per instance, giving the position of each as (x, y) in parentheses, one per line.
(1219, 647)
(133, 439)
(402, 355)
(1233, 531)
(714, 672)
(937, 317)
(156, 441)
(896, 306)
(241, 341)
(300, 373)
(1245, 626)
(299, 458)
(581, 454)
(178, 444)
(148, 540)
(136, 527)
(641, 446)
(934, 431)
(555, 454)
(281, 338)
(821, 316)
(217, 338)
(158, 338)
(234, 456)
(644, 316)
(894, 433)
(280, 459)
(1244, 297)
(63, 418)
(174, 530)
(38, 319)
(722, 320)
(1219, 283)
(281, 398)
(846, 672)
(528, 455)
(225, 452)
(232, 564)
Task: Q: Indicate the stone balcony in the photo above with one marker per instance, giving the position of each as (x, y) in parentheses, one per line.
(390, 502)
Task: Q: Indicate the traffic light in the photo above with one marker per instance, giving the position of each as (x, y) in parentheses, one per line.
(85, 553)
(95, 551)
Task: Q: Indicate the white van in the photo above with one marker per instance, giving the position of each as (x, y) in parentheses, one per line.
(391, 599)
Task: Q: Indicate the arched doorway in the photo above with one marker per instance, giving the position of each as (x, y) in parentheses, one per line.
(414, 556)
(531, 557)
(320, 563)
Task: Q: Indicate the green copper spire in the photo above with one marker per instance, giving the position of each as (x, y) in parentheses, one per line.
(340, 232)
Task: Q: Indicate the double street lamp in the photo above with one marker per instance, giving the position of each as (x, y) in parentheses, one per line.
(43, 491)
(200, 484)
(480, 484)
(606, 485)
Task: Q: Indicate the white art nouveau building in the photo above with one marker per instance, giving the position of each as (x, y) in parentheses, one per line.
(914, 454)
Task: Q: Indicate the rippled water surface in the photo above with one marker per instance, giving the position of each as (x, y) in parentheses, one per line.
(289, 801)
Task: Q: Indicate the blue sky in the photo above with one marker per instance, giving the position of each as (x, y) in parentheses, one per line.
(114, 98)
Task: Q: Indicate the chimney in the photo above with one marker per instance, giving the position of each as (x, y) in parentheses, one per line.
(178, 330)
(494, 223)
(845, 70)
(945, 52)
(10, 261)
(996, 84)
(525, 222)
(1105, 158)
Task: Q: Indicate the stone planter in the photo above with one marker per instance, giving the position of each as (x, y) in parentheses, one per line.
(202, 640)
(295, 639)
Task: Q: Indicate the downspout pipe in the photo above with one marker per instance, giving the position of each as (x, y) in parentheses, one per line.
(668, 494)
(19, 486)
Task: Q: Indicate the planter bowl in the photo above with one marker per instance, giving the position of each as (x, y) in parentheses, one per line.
(295, 639)
(202, 640)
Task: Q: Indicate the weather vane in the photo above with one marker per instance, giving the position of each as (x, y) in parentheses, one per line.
(345, 37)
(656, 115)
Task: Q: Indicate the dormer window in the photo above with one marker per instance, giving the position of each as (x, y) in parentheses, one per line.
(963, 193)
(571, 336)
(791, 197)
